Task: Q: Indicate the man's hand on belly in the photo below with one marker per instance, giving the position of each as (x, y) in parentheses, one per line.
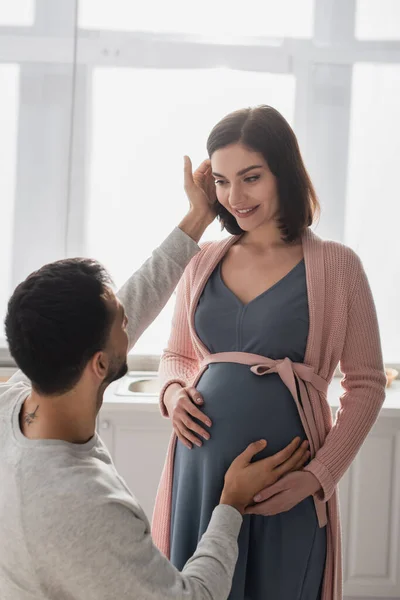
(244, 477)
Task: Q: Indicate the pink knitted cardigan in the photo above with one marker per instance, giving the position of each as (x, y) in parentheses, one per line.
(343, 328)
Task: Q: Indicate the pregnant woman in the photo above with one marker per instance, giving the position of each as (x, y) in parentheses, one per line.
(262, 319)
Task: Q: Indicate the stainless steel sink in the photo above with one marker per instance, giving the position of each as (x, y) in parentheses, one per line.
(138, 384)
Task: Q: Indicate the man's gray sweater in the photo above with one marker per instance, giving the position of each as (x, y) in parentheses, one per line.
(70, 529)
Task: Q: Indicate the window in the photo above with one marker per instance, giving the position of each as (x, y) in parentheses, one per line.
(17, 12)
(378, 20)
(9, 79)
(373, 207)
(102, 98)
(227, 19)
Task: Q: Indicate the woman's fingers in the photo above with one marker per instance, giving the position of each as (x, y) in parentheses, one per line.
(189, 435)
(184, 413)
(190, 408)
(183, 440)
(194, 395)
(191, 425)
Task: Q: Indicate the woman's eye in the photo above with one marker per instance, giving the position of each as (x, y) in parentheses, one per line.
(252, 179)
(219, 182)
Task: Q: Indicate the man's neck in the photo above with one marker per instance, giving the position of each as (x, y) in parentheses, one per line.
(69, 417)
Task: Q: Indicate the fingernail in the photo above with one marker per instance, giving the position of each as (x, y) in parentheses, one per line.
(257, 498)
(208, 423)
(198, 443)
(206, 436)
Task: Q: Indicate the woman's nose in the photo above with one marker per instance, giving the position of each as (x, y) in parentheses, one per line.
(234, 196)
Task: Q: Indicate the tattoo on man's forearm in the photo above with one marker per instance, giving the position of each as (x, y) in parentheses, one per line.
(30, 417)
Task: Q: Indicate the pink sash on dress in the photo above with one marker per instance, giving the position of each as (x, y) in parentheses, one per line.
(294, 376)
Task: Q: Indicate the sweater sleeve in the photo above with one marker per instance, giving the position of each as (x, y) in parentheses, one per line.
(179, 363)
(148, 290)
(102, 549)
(364, 383)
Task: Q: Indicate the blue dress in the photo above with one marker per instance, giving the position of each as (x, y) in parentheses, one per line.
(280, 557)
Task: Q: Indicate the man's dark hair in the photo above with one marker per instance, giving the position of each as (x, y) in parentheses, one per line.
(57, 319)
(263, 129)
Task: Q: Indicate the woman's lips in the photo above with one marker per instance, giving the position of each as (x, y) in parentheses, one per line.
(247, 212)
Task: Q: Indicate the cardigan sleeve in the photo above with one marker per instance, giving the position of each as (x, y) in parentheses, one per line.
(179, 363)
(364, 383)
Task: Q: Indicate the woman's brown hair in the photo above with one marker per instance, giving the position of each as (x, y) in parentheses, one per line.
(264, 130)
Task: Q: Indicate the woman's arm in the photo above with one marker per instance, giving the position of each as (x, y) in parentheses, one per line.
(179, 363)
(364, 384)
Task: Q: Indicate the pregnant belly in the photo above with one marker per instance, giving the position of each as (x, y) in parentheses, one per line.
(243, 408)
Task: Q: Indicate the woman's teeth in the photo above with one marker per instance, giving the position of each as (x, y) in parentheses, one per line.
(246, 211)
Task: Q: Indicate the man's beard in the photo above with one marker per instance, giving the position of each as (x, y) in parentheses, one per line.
(117, 369)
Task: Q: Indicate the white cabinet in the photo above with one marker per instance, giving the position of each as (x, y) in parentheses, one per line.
(137, 441)
(370, 507)
(137, 437)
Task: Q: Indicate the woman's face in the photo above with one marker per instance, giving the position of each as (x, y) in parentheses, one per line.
(245, 186)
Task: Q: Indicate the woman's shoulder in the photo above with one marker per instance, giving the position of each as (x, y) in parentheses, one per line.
(205, 259)
(342, 267)
(208, 248)
(341, 255)
(336, 254)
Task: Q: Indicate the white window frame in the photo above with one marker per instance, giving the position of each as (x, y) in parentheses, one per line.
(322, 67)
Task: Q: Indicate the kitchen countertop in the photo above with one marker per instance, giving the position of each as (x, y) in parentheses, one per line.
(114, 400)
